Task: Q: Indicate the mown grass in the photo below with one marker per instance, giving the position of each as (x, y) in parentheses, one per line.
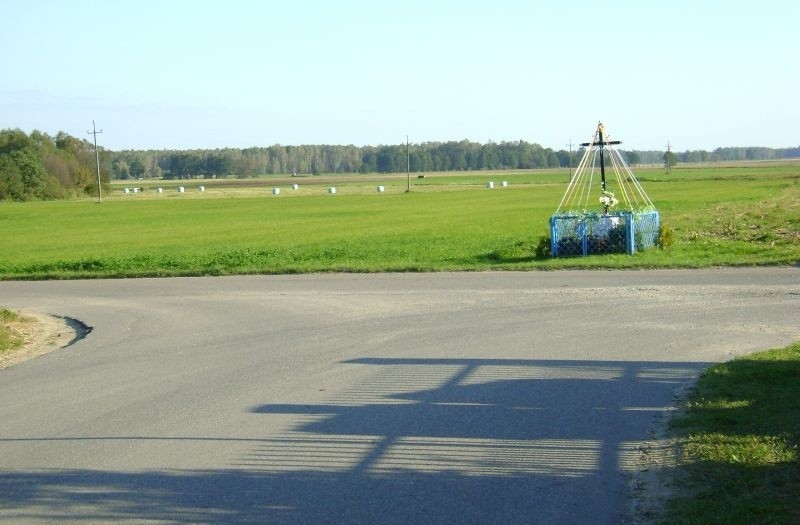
(720, 216)
(739, 437)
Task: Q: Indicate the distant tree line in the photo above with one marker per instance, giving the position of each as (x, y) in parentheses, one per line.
(425, 157)
(38, 166)
(729, 154)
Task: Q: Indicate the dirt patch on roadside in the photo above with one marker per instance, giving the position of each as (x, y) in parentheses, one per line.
(41, 333)
(652, 483)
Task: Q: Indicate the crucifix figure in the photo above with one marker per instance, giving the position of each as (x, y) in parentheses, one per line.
(601, 142)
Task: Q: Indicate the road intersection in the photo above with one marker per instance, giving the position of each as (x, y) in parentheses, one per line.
(351, 398)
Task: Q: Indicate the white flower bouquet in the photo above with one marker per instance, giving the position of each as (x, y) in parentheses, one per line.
(608, 200)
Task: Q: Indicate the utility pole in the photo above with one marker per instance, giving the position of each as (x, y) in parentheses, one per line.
(408, 167)
(668, 159)
(97, 158)
(570, 160)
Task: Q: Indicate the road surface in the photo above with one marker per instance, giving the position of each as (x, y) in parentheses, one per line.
(402, 398)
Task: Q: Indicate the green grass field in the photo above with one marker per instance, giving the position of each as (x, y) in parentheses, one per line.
(738, 440)
(738, 215)
(738, 434)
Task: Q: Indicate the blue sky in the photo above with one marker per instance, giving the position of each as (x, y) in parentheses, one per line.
(236, 73)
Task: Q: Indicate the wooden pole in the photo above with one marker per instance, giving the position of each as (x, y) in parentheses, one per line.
(97, 159)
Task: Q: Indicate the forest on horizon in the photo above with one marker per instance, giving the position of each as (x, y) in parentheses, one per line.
(422, 157)
(40, 166)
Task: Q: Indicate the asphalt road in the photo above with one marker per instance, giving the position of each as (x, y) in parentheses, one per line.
(404, 398)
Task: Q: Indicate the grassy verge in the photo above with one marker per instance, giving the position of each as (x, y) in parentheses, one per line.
(721, 216)
(9, 338)
(739, 437)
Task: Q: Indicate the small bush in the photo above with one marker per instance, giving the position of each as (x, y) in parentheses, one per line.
(617, 240)
(665, 236)
(8, 338)
(569, 246)
(543, 250)
(614, 241)
(7, 315)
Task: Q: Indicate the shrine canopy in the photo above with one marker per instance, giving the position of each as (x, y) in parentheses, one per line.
(603, 181)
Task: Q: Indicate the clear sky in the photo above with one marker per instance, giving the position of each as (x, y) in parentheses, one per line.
(237, 73)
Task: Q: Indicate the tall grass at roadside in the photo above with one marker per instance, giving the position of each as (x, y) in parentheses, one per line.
(8, 336)
(739, 438)
(719, 216)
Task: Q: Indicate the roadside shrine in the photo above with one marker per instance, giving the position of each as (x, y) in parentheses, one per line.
(609, 215)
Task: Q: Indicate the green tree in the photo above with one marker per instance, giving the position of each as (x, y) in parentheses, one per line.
(670, 160)
(14, 140)
(11, 185)
(136, 168)
(120, 169)
(632, 157)
(369, 162)
(384, 160)
(25, 167)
